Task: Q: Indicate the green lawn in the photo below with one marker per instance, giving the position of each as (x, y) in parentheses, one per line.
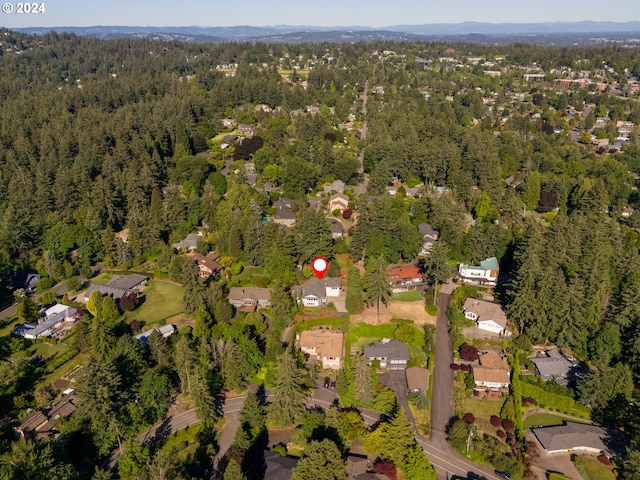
(103, 278)
(248, 276)
(410, 296)
(557, 476)
(592, 469)
(64, 369)
(481, 408)
(7, 327)
(543, 419)
(47, 350)
(162, 300)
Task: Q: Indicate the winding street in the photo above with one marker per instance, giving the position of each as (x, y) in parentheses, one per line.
(443, 457)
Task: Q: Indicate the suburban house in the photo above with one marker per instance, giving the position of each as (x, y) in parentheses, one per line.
(357, 466)
(284, 216)
(165, 331)
(188, 243)
(315, 292)
(278, 467)
(53, 318)
(41, 423)
(337, 186)
(552, 366)
(245, 129)
(338, 201)
(207, 264)
(429, 237)
(325, 345)
(23, 279)
(492, 377)
(484, 274)
(283, 202)
(404, 277)
(577, 437)
(417, 379)
(118, 287)
(336, 227)
(249, 299)
(488, 316)
(392, 354)
(228, 122)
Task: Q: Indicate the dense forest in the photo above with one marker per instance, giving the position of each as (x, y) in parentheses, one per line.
(101, 136)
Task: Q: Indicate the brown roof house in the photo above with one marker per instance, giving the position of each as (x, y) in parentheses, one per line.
(417, 379)
(488, 316)
(285, 217)
(249, 299)
(339, 201)
(207, 264)
(492, 377)
(325, 345)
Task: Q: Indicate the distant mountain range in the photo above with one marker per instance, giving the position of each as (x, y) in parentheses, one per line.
(553, 32)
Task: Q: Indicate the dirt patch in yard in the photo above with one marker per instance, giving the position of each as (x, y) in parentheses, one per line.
(410, 310)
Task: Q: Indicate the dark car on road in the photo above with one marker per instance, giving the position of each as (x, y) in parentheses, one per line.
(333, 384)
(327, 381)
(504, 475)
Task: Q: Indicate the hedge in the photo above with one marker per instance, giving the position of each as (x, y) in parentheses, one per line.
(554, 401)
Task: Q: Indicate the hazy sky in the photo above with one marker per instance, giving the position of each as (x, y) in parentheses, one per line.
(373, 13)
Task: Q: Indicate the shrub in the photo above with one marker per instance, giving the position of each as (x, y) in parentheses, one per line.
(128, 302)
(494, 421)
(604, 460)
(465, 368)
(501, 434)
(347, 213)
(455, 367)
(468, 353)
(469, 418)
(507, 424)
(386, 467)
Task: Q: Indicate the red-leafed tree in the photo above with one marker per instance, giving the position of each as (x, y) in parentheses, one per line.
(387, 468)
(507, 424)
(468, 353)
(455, 367)
(604, 460)
(494, 420)
(501, 434)
(469, 418)
(128, 302)
(347, 213)
(465, 368)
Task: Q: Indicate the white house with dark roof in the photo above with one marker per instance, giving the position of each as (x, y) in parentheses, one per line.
(392, 354)
(488, 316)
(484, 274)
(53, 318)
(336, 227)
(315, 292)
(429, 237)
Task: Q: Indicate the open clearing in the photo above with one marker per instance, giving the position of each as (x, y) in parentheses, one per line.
(410, 310)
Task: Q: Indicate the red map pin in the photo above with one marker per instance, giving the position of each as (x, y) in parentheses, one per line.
(320, 266)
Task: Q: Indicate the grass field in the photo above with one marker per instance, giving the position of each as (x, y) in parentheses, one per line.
(162, 300)
(542, 419)
(410, 296)
(302, 73)
(103, 278)
(481, 408)
(248, 276)
(64, 369)
(365, 333)
(557, 476)
(592, 469)
(7, 327)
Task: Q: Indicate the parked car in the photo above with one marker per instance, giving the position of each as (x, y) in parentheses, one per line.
(333, 384)
(327, 382)
(504, 475)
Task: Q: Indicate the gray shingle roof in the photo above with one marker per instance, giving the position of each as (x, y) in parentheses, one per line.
(392, 350)
(576, 436)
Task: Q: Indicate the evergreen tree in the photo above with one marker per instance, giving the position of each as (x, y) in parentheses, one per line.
(353, 300)
(194, 294)
(233, 471)
(376, 287)
(290, 390)
(436, 268)
(363, 388)
(321, 461)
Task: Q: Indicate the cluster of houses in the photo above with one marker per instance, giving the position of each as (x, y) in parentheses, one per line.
(41, 424)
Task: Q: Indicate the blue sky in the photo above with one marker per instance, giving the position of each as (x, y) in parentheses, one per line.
(373, 13)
